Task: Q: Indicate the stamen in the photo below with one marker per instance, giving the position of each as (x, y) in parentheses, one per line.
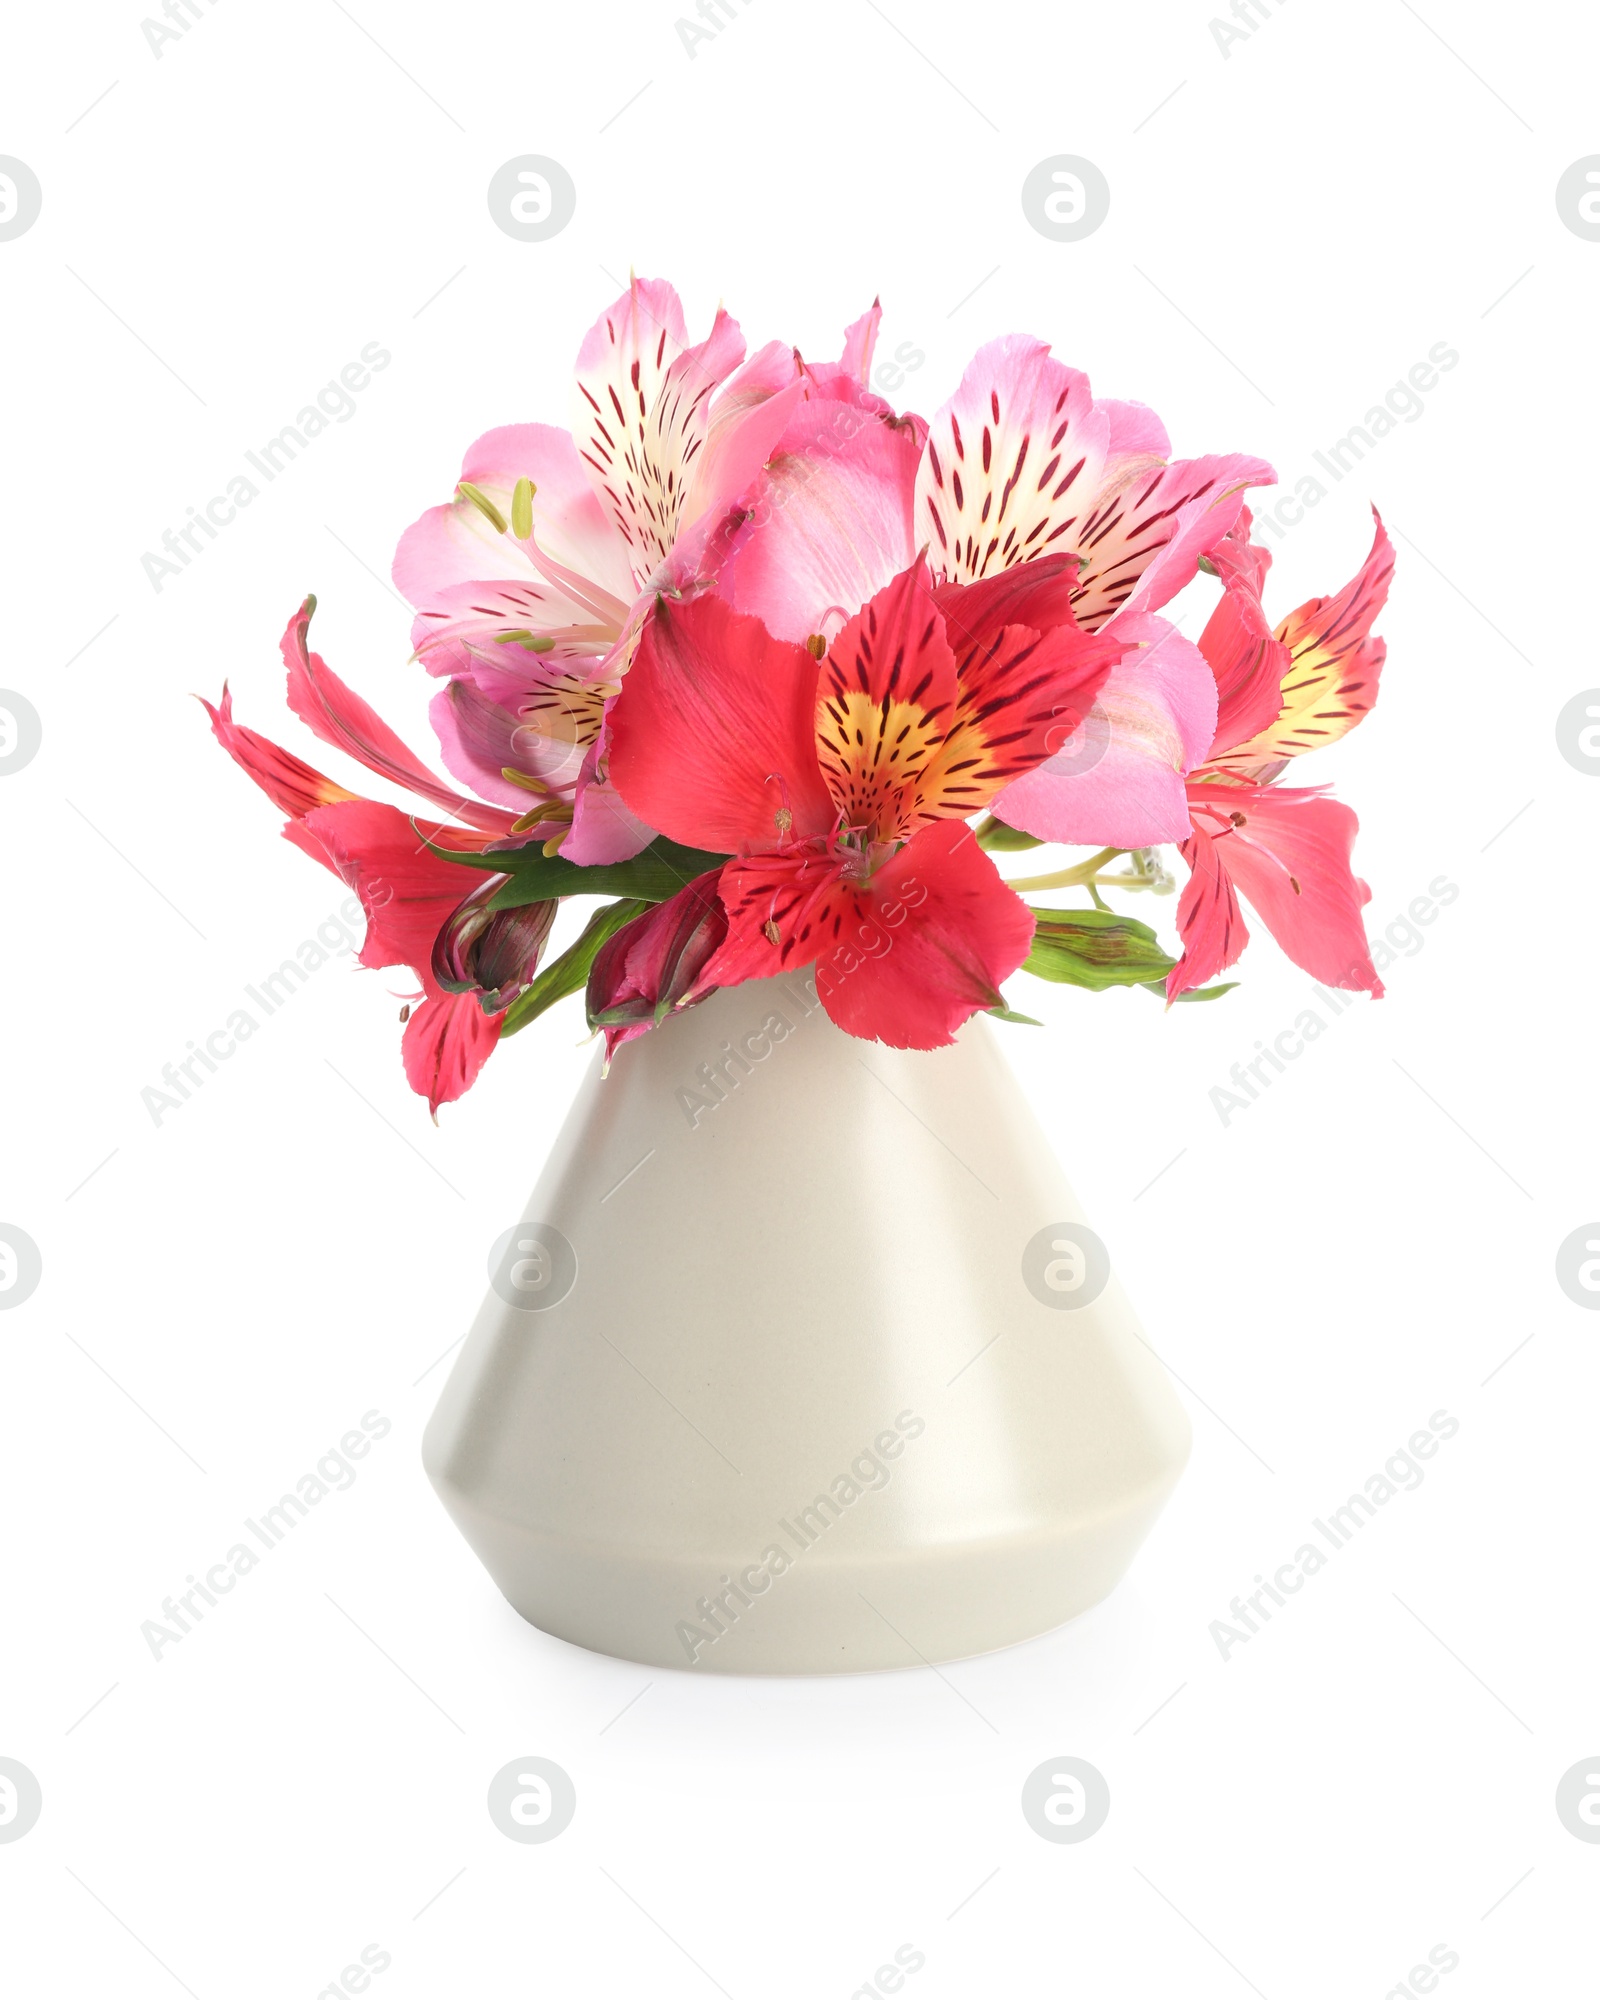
(525, 779)
(522, 509)
(550, 809)
(485, 506)
(592, 596)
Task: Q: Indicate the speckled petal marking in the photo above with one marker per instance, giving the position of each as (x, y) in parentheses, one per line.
(1332, 677)
(1012, 464)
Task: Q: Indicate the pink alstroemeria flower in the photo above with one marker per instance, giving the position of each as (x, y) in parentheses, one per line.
(1021, 462)
(840, 777)
(531, 584)
(411, 896)
(1023, 459)
(1286, 850)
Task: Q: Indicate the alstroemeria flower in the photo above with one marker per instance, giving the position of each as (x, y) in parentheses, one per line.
(417, 902)
(1285, 850)
(840, 780)
(531, 584)
(1021, 462)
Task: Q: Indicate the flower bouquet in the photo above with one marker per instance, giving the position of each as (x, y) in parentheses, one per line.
(769, 674)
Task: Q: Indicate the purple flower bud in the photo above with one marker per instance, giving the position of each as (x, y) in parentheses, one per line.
(655, 964)
(493, 953)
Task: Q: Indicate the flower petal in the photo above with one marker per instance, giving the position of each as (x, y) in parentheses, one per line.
(713, 737)
(448, 1040)
(547, 736)
(1119, 781)
(1330, 680)
(742, 436)
(938, 932)
(782, 908)
(904, 958)
(1210, 922)
(829, 522)
(641, 412)
(294, 786)
(406, 890)
(1145, 537)
(458, 543)
(1135, 432)
(1027, 676)
(1239, 645)
(469, 580)
(330, 710)
(860, 340)
(849, 379)
(604, 826)
(885, 700)
(1287, 852)
(1013, 461)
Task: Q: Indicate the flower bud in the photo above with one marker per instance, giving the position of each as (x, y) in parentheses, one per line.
(655, 965)
(493, 953)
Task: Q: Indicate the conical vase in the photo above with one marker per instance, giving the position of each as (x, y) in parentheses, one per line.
(803, 1359)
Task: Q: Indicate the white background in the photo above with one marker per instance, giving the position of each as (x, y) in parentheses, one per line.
(1292, 227)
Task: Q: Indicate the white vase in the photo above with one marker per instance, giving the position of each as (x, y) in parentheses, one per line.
(803, 1361)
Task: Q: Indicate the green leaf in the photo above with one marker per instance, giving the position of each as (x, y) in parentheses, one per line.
(998, 838)
(1159, 986)
(570, 972)
(1010, 1014)
(536, 877)
(1095, 949)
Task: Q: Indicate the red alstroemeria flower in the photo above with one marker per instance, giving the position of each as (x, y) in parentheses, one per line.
(409, 893)
(1022, 462)
(1286, 850)
(841, 784)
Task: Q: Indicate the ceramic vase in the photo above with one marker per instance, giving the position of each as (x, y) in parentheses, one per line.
(804, 1359)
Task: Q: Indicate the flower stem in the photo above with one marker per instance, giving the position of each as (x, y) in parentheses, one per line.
(1068, 878)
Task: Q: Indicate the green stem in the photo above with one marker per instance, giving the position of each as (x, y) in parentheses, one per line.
(1129, 882)
(1068, 878)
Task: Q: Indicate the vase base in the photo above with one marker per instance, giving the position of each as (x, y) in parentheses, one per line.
(832, 1608)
